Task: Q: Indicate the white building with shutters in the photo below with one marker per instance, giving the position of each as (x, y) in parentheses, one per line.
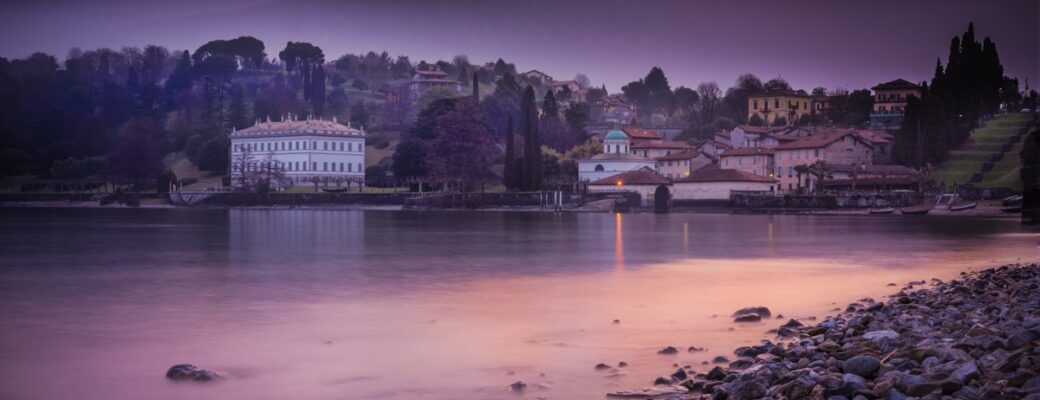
(295, 152)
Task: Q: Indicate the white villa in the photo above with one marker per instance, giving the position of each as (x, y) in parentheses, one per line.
(616, 158)
(298, 152)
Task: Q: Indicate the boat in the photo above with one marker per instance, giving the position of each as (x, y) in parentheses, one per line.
(963, 207)
(886, 210)
(915, 211)
(1012, 209)
(1012, 200)
(329, 190)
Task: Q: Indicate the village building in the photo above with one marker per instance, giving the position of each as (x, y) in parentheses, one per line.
(882, 142)
(714, 147)
(539, 75)
(832, 147)
(679, 165)
(616, 158)
(431, 77)
(639, 135)
(890, 100)
(297, 152)
(612, 110)
(754, 160)
(790, 105)
(643, 181)
(758, 136)
(714, 183)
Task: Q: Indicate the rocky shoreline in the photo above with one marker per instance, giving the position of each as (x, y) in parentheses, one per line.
(975, 337)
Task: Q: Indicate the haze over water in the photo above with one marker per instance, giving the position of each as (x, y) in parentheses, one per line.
(336, 304)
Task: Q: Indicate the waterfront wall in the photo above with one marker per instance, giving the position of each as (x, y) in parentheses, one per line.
(480, 200)
(844, 200)
(245, 199)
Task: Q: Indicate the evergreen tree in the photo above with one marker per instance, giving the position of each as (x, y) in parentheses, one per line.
(509, 174)
(532, 142)
(318, 91)
(476, 89)
(237, 112)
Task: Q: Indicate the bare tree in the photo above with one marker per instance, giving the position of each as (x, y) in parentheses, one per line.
(710, 97)
(582, 81)
(243, 166)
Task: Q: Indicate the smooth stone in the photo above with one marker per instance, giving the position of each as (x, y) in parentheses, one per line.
(518, 386)
(668, 350)
(881, 335)
(759, 310)
(748, 318)
(864, 366)
(602, 366)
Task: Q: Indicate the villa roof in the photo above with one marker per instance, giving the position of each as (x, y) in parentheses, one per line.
(640, 176)
(292, 127)
(896, 85)
(640, 133)
(747, 151)
(722, 175)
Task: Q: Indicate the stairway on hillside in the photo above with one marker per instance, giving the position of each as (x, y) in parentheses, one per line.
(999, 155)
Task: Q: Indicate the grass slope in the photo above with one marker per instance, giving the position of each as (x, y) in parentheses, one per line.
(968, 159)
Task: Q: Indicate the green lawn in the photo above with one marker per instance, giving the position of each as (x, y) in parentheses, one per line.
(968, 159)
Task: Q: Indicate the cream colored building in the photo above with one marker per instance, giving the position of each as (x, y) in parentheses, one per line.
(789, 104)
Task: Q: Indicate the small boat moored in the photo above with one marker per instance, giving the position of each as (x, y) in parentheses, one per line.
(963, 207)
(878, 211)
(915, 211)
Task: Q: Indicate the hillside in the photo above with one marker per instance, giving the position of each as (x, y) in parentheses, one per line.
(989, 158)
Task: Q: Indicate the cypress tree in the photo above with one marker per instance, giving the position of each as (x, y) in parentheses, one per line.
(532, 143)
(509, 178)
(476, 91)
(318, 90)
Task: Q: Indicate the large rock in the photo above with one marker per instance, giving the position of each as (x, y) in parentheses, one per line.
(747, 318)
(864, 366)
(762, 312)
(881, 335)
(188, 372)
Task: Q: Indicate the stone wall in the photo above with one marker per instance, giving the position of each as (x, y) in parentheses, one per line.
(244, 199)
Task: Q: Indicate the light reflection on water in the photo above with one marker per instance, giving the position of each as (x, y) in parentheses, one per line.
(323, 304)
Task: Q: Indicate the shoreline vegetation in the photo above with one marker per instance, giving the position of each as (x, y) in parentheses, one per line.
(974, 337)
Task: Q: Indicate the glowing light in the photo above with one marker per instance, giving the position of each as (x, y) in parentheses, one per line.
(619, 183)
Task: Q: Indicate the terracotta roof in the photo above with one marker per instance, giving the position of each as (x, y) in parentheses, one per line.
(762, 129)
(747, 151)
(640, 176)
(715, 143)
(875, 136)
(685, 155)
(820, 139)
(640, 133)
(896, 85)
(660, 144)
(723, 175)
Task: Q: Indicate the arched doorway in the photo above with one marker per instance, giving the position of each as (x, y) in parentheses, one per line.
(662, 196)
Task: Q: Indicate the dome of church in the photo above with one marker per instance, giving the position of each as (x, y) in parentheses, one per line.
(616, 135)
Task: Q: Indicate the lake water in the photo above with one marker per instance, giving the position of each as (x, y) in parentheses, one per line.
(341, 304)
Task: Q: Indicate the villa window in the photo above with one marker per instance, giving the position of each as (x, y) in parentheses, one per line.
(599, 168)
(314, 165)
(340, 167)
(776, 103)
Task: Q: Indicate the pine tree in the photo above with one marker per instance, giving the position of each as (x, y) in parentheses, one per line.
(476, 89)
(509, 174)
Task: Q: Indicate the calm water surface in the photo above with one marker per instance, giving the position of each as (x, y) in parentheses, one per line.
(336, 304)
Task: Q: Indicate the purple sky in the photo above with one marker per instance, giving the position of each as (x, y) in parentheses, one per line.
(808, 42)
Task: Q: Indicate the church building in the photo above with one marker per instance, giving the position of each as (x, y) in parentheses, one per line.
(616, 158)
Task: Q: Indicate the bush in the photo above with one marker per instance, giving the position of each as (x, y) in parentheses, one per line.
(780, 121)
(213, 155)
(756, 120)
